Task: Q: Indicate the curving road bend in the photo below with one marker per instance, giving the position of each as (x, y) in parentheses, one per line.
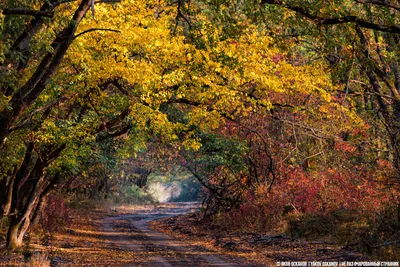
(131, 232)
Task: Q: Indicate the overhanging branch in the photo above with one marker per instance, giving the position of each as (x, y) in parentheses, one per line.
(28, 12)
(107, 1)
(383, 3)
(335, 20)
(95, 29)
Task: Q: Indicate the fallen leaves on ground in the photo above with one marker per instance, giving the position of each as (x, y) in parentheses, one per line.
(259, 247)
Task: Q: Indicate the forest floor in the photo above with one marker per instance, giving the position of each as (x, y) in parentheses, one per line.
(163, 235)
(261, 248)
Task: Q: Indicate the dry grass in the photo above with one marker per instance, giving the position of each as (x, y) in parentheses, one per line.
(259, 247)
(81, 243)
(39, 260)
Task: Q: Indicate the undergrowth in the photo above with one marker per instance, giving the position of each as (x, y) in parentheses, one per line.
(352, 209)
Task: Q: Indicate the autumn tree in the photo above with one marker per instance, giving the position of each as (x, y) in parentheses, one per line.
(359, 40)
(208, 79)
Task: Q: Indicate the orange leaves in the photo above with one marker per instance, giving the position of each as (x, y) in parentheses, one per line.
(345, 147)
(329, 191)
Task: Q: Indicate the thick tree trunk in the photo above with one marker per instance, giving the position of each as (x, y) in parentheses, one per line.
(39, 207)
(26, 197)
(21, 210)
(19, 226)
(26, 219)
(22, 43)
(6, 186)
(13, 243)
(8, 197)
(3, 190)
(42, 199)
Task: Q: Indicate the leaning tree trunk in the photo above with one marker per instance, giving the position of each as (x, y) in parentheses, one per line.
(42, 199)
(27, 193)
(8, 197)
(23, 198)
(26, 95)
(10, 201)
(12, 236)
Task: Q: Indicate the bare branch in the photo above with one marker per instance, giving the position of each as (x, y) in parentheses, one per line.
(95, 29)
(379, 3)
(28, 12)
(335, 20)
(26, 122)
(107, 1)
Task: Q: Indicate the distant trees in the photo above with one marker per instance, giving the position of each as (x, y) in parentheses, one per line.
(360, 40)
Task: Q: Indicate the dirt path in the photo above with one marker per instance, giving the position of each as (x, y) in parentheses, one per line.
(130, 232)
(122, 237)
(118, 237)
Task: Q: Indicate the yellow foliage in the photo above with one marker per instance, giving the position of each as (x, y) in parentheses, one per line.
(223, 75)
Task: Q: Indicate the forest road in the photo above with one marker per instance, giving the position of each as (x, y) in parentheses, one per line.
(131, 232)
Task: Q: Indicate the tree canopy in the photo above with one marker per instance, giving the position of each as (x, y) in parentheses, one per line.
(246, 96)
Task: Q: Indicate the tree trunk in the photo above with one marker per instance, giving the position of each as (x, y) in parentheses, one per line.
(18, 227)
(13, 243)
(21, 212)
(42, 198)
(8, 197)
(3, 193)
(25, 96)
(26, 198)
